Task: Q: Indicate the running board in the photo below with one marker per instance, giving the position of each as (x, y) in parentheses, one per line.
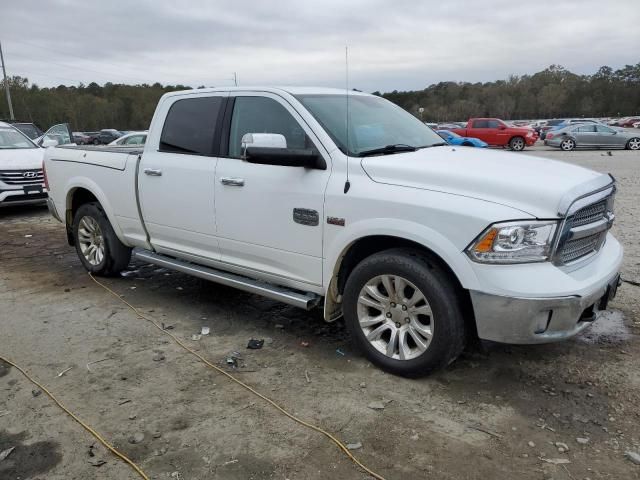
(290, 297)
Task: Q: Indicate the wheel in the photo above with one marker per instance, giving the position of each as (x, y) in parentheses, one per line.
(97, 245)
(404, 313)
(96, 141)
(516, 144)
(634, 143)
(567, 145)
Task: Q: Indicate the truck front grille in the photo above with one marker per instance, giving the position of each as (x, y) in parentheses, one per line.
(22, 177)
(576, 242)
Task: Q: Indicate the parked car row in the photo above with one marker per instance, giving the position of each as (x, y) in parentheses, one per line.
(109, 136)
(593, 135)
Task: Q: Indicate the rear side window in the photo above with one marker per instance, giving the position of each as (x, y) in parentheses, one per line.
(190, 126)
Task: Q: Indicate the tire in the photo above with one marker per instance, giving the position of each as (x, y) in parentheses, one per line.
(567, 145)
(633, 143)
(516, 144)
(97, 246)
(438, 311)
(96, 141)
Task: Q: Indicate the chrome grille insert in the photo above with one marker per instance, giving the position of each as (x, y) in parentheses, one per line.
(22, 177)
(585, 231)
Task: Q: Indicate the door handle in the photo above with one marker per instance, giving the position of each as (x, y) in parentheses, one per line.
(232, 182)
(154, 172)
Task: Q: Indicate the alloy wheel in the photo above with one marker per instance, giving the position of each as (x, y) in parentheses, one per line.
(395, 317)
(634, 144)
(91, 240)
(567, 145)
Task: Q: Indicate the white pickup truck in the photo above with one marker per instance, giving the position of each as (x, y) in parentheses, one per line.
(418, 244)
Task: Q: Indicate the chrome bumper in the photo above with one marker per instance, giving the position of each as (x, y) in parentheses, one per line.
(538, 320)
(52, 209)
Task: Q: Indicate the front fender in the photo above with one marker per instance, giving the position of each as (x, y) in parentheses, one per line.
(403, 229)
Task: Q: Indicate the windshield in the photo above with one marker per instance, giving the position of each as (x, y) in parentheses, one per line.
(373, 123)
(29, 130)
(11, 138)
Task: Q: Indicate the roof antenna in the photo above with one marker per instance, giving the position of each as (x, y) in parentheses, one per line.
(347, 184)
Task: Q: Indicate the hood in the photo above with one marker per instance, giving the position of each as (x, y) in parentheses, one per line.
(21, 158)
(530, 184)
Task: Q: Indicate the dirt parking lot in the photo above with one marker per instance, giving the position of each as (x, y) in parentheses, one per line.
(497, 413)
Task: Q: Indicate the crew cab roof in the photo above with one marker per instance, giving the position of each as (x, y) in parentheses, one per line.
(277, 90)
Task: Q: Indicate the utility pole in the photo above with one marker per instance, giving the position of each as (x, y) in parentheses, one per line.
(6, 84)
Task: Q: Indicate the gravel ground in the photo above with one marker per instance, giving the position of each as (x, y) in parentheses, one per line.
(497, 413)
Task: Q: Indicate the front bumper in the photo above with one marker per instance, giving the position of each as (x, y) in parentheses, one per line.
(530, 141)
(541, 303)
(538, 320)
(15, 197)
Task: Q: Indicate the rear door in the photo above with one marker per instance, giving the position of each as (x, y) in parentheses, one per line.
(176, 177)
(480, 129)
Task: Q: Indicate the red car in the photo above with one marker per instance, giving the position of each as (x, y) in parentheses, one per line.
(497, 133)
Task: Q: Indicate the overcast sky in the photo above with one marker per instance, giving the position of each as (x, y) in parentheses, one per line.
(393, 44)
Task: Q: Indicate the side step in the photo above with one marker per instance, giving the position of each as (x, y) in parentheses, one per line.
(290, 297)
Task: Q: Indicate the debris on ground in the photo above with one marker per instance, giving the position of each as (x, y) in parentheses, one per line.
(363, 385)
(123, 401)
(205, 331)
(167, 327)
(340, 352)
(195, 337)
(64, 371)
(255, 344)
(230, 462)
(556, 461)
(531, 444)
(5, 453)
(562, 447)
(354, 446)
(306, 375)
(633, 456)
(232, 362)
(136, 438)
(97, 463)
(36, 393)
(304, 344)
(582, 440)
(376, 406)
(159, 356)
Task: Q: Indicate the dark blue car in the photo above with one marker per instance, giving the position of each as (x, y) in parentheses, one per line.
(455, 139)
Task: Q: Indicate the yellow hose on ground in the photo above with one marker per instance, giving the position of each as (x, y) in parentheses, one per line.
(340, 445)
(122, 456)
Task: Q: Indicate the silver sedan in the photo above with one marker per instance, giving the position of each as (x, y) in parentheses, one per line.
(593, 135)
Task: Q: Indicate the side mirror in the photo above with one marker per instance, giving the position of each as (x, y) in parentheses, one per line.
(271, 149)
(47, 142)
(502, 127)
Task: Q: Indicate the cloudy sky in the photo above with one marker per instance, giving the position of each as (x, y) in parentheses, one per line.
(393, 44)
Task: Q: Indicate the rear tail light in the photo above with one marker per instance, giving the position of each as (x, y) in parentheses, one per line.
(44, 174)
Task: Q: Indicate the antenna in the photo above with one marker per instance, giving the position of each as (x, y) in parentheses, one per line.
(235, 78)
(347, 184)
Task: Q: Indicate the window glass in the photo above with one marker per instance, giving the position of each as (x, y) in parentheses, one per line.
(135, 140)
(586, 128)
(190, 126)
(480, 124)
(11, 138)
(603, 129)
(264, 115)
(493, 124)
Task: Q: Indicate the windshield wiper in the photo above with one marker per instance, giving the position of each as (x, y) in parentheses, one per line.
(387, 149)
(439, 144)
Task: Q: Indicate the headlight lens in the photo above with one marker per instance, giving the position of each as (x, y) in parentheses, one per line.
(514, 242)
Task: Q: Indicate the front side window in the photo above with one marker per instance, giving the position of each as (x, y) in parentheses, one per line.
(190, 126)
(264, 115)
(480, 124)
(373, 123)
(10, 138)
(603, 129)
(493, 124)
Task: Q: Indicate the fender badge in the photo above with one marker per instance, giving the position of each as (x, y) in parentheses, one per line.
(335, 221)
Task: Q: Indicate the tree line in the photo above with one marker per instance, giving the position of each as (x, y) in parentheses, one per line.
(553, 92)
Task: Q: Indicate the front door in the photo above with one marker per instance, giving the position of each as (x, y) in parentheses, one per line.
(177, 177)
(270, 218)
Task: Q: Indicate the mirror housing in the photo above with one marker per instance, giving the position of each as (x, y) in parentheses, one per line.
(502, 127)
(263, 140)
(47, 142)
(285, 157)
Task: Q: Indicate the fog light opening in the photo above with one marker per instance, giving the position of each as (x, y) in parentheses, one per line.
(588, 315)
(543, 323)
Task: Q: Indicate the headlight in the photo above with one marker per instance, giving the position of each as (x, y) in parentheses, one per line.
(514, 242)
